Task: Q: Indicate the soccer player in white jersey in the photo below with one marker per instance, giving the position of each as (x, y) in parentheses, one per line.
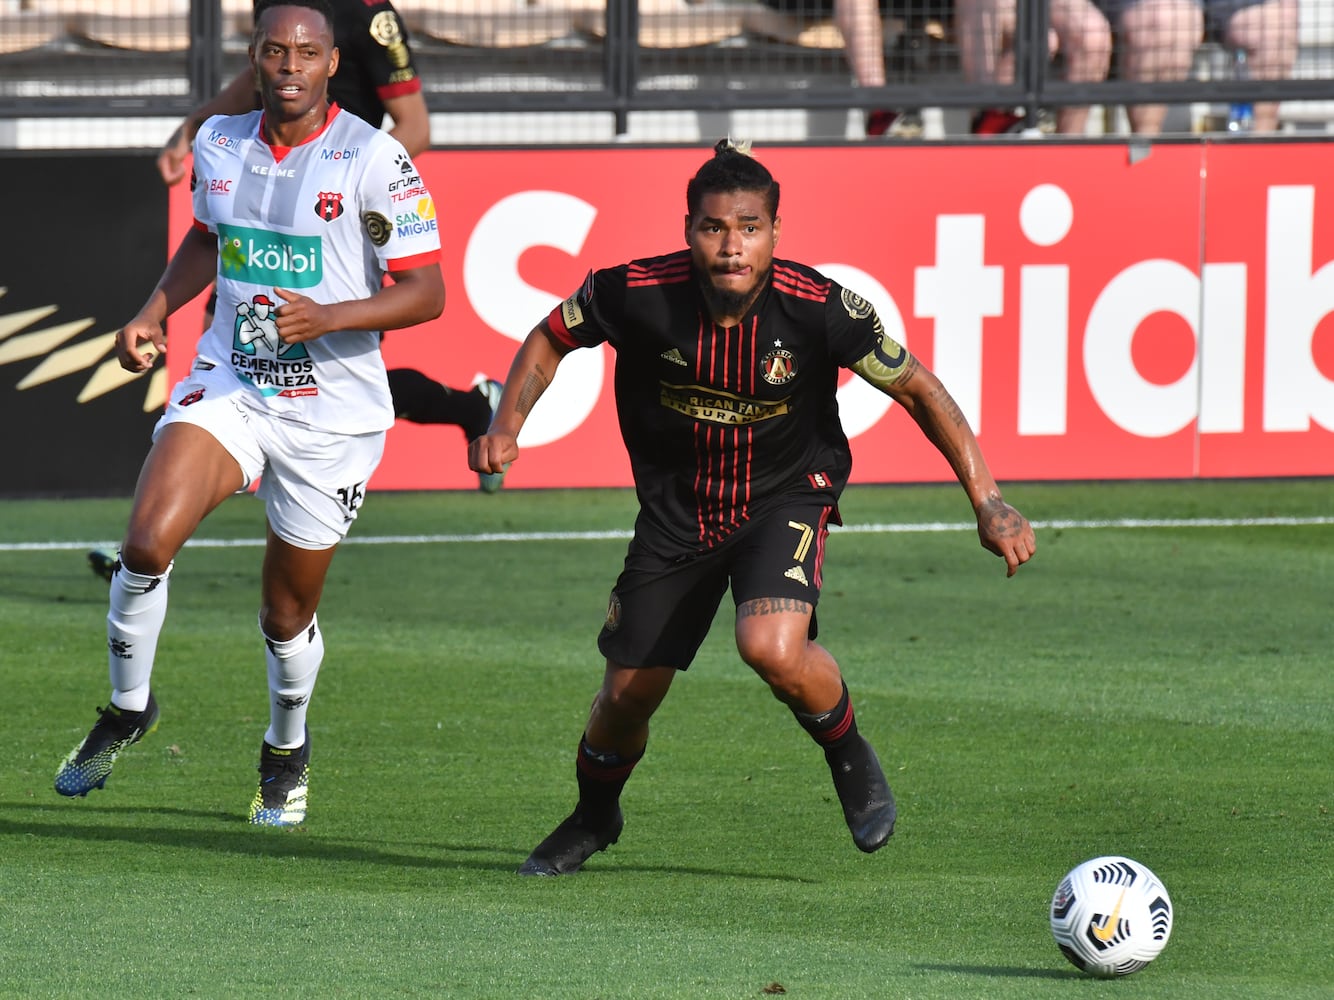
(377, 76)
(300, 210)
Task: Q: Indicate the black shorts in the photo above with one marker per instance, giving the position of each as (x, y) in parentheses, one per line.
(1217, 13)
(661, 609)
(819, 9)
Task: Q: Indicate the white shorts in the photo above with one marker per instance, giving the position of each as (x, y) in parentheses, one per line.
(312, 482)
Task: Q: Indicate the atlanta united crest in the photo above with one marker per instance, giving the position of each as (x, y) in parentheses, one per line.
(613, 621)
(778, 367)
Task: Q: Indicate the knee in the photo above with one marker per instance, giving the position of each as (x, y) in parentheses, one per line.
(773, 647)
(146, 554)
(281, 624)
(622, 708)
(776, 657)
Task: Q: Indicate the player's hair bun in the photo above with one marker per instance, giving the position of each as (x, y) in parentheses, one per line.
(730, 145)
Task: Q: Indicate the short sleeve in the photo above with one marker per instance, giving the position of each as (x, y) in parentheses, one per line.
(854, 327)
(199, 180)
(591, 315)
(397, 210)
(378, 39)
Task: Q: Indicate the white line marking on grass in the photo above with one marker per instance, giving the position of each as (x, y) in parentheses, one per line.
(925, 527)
(1121, 522)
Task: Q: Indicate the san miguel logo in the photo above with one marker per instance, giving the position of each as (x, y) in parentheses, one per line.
(778, 367)
(329, 206)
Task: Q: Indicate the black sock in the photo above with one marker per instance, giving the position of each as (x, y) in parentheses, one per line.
(601, 777)
(833, 730)
(423, 400)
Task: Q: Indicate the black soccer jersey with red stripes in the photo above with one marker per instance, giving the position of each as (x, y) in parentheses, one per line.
(719, 421)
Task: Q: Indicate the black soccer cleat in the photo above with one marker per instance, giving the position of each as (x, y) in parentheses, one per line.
(868, 804)
(88, 765)
(284, 786)
(490, 390)
(571, 844)
(103, 564)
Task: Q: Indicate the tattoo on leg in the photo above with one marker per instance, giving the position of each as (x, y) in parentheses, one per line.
(772, 606)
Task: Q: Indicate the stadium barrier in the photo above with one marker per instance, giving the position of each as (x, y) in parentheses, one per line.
(1100, 311)
(560, 72)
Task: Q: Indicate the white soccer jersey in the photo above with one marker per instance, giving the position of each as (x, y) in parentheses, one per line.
(326, 219)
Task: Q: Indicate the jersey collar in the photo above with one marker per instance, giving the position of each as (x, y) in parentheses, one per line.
(280, 151)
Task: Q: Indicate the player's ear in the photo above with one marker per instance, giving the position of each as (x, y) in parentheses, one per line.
(333, 62)
(778, 228)
(687, 230)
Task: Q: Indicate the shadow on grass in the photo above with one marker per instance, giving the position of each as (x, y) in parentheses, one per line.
(53, 821)
(35, 592)
(242, 839)
(1000, 971)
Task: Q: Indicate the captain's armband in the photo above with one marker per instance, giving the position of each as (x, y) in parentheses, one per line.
(888, 364)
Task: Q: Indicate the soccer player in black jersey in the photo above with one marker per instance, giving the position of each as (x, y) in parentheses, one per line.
(726, 370)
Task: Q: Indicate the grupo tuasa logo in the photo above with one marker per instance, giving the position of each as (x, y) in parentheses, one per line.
(66, 350)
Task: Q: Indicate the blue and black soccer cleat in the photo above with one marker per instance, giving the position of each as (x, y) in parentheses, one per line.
(89, 764)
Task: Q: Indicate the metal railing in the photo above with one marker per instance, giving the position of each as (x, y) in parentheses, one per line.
(602, 63)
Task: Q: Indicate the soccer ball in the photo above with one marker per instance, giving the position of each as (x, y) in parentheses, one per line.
(1111, 916)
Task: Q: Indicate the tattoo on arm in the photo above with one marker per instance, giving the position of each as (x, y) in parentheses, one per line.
(772, 606)
(910, 369)
(948, 408)
(873, 369)
(534, 384)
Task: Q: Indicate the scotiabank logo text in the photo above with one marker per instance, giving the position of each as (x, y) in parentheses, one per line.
(1261, 378)
(961, 289)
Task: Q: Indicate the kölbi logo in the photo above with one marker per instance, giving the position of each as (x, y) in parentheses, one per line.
(266, 258)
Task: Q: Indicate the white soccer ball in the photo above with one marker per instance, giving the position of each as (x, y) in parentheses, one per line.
(1111, 916)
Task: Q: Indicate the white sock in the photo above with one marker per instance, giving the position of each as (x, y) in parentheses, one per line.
(134, 622)
(293, 667)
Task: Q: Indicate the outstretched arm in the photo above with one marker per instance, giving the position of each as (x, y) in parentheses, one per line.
(530, 373)
(1002, 529)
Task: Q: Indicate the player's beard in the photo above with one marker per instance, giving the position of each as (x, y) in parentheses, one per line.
(724, 302)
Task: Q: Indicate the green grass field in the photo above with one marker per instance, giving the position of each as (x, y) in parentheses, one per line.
(1157, 683)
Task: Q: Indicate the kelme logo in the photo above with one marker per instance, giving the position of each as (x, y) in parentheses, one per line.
(265, 258)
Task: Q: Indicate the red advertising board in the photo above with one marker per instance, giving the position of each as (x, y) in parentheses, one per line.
(1097, 313)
